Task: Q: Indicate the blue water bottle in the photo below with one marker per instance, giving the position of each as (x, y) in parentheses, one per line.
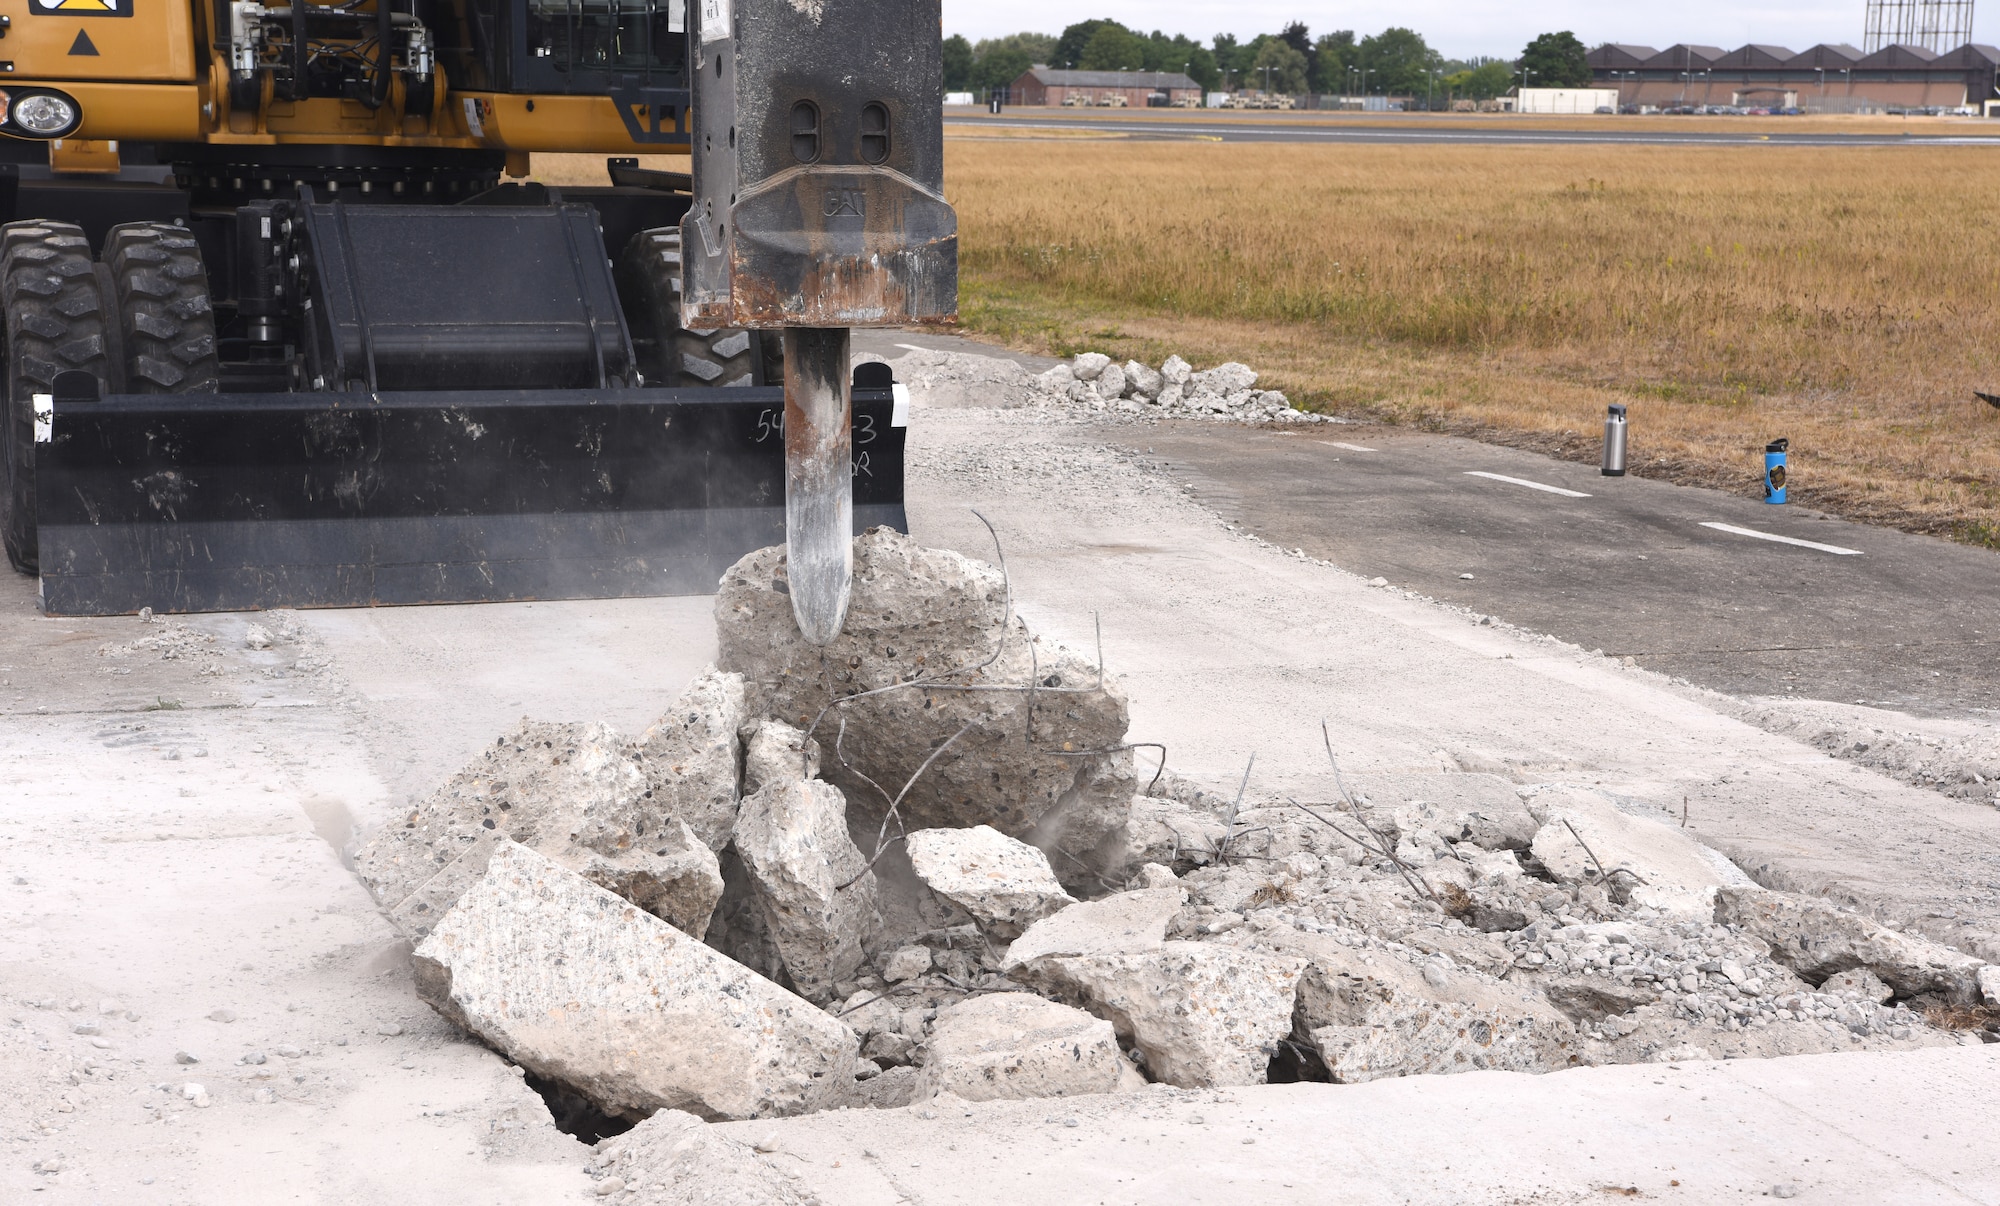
(1774, 471)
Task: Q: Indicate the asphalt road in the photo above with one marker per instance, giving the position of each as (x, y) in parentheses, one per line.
(1622, 130)
(1905, 622)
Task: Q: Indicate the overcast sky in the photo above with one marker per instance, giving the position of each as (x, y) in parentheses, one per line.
(1460, 28)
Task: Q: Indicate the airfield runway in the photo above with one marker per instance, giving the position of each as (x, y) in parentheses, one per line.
(1444, 130)
(1722, 590)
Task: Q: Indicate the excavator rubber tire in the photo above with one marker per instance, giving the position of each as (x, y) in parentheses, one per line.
(163, 309)
(670, 354)
(55, 322)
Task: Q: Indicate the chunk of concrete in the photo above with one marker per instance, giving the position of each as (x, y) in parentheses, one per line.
(675, 1159)
(906, 963)
(1161, 831)
(1378, 1017)
(775, 752)
(1819, 941)
(417, 912)
(1227, 378)
(1111, 382)
(818, 896)
(1496, 821)
(922, 616)
(1126, 923)
(1088, 365)
(1584, 838)
(679, 881)
(1005, 885)
(1202, 1015)
(1859, 983)
(1142, 381)
(1017, 1045)
(892, 1090)
(534, 786)
(577, 793)
(584, 988)
(1590, 999)
(691, 757)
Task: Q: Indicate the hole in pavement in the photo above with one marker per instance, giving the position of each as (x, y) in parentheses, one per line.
(1294, 1062)
(573, 1112)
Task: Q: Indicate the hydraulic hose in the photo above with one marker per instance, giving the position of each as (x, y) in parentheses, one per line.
(385, 25)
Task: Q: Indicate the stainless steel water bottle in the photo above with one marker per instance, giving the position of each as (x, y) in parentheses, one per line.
(1614, 442)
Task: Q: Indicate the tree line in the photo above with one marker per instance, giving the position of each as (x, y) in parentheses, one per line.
(1395, 62)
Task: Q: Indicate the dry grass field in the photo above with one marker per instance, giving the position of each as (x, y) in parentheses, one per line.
(1842, 298)
(961, 119)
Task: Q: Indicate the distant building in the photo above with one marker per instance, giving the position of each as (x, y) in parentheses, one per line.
(1564, 100)
(1826, 78)
(1127, 89)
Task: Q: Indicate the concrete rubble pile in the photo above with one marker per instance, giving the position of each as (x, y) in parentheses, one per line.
(918, 863)
(1226, 391)
(1092, 382)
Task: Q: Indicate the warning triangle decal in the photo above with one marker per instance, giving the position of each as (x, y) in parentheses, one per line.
(83, 45)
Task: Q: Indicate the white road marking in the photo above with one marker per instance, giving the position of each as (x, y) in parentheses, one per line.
(1351, 447)
(912, 347)
(1522, 481)
(1804, 544)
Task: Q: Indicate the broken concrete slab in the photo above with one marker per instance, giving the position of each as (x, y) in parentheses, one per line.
(775, 752)
(817, 893)
(1497, 821)
(1585, 838)
(934, 628)
(1123, 923)
(1202, 1015)
(533, 785)
(679, 880)
(1163, 831)
(579, 794)
(676, 1159)
(1371, 1015)
(680, 884)
(1988, 979)
(587, 989)
(1015, 1045)
(691, 757)
(1819, 941)
(417, 912)
(1003, 884)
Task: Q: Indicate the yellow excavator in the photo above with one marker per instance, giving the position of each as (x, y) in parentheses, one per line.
(285, 325)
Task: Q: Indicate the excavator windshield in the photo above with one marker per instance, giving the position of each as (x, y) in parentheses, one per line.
(618, 35)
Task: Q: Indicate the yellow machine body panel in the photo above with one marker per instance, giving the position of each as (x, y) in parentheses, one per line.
(122, 40)
(138, 70)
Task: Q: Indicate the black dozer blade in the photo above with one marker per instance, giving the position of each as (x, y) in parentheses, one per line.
(231, 502)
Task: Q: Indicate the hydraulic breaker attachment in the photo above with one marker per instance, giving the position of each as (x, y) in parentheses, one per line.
(819, 206)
